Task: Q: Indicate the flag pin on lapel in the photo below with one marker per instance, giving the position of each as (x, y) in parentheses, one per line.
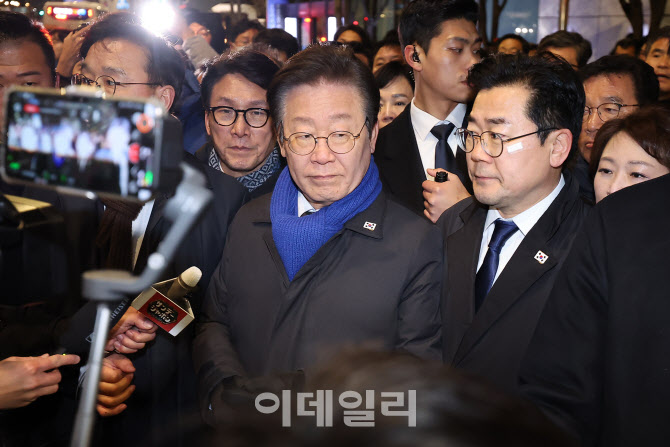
(541, 257)
(370, 226)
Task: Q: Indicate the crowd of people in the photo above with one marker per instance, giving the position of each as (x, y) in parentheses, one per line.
(426, 204)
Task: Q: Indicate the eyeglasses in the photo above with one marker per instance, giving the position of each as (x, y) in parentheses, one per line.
(339, 141)
(491, 142)
(226, 116)
(104, 82)
(606, 112)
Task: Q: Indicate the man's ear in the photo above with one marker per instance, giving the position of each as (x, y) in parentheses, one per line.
(560, 142)
(278, 131)
(373, 137)
(209, 132)
(166, 95)
(412, 60)
(282, 150)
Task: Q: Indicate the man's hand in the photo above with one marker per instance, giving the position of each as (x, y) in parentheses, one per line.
(70, 54)
(115, 384)
(438, 197)
(131, 333)
(24, 379)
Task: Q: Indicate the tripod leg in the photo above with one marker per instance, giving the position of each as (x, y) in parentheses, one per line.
(83, 427)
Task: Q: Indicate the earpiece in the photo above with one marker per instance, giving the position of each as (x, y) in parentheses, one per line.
(415, 56)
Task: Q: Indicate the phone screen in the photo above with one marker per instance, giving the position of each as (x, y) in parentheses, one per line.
(83, 142)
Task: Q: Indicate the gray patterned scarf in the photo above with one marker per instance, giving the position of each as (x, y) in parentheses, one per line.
(256, 178)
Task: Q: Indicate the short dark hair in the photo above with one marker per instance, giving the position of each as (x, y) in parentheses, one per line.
(643, 76)
(324, 63)
(241, 26)
(649, 127)
(278, 39)
(358, 48)
(15, 26)
(566, 39)
(525, 47)
(662, 33)
(365, 38)
(388, 41)
(164, 64)
(255, 66)
(392, 70)
(628, 42)
(556, 93)
(422, 20)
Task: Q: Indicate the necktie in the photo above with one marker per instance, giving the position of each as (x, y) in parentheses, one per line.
(487, 272)
(307, 213)
(444, 156)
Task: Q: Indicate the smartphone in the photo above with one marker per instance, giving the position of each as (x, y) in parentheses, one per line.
(78, 140)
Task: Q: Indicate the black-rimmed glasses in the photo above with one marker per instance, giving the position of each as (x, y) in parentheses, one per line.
(226, 116)
(607, 111)
(339, 141)
(491, 142)
(104, 82)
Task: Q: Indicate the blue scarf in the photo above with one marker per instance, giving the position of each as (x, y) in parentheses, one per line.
(299, 238)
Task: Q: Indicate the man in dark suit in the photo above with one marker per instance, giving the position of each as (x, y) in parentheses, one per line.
(615, 86)
(440, 43)
(505, 245)
(599, 362)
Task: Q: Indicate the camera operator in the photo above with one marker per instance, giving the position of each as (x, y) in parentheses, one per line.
(90, 232)
(123, 58)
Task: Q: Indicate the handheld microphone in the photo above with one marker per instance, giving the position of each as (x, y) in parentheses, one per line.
(184, 283)
(166, 303)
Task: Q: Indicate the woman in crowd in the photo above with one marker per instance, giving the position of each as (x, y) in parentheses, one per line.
(396, 89)
(631, 150)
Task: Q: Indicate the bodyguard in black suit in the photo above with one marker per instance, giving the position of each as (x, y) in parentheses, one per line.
(440, 43)
(504, 247)
(599, 361)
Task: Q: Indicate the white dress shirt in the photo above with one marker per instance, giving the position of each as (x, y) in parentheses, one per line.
(423, 123)
(304, 205)
(524, 221)
(140, 227)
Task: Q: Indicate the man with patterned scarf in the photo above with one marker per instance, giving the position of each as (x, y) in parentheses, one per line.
(328, 259)
(237, 119)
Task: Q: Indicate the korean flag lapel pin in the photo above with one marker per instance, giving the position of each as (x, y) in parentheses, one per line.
(370, 226)
(541, 257)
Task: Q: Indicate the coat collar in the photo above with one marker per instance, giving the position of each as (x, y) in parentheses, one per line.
(369, 222)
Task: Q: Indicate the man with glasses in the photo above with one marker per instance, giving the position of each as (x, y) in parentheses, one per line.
(328, 259)
(505, 245)
(241, 133)
(615, 86)
(125, 60)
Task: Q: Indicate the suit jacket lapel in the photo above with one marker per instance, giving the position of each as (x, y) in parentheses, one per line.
(407, 150)
(150, 240)
(521, 272)
(462, 257)
(401, 168)
(462, 165)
